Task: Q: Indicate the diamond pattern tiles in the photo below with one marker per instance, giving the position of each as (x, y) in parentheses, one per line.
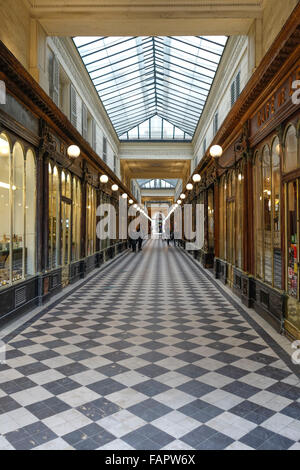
(149, 354)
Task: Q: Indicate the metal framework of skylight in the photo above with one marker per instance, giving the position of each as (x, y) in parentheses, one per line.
(157, 183)
(162, 81)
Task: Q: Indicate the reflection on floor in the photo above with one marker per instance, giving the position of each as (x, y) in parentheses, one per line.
(147, 355)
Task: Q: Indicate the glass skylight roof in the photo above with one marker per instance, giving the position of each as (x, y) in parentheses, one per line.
(157, 183)
(152, 87)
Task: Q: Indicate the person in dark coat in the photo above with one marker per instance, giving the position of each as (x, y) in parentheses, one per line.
(132, 244)
(140, 239)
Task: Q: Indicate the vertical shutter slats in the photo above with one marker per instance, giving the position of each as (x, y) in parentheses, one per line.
(54, 79)
(94, 135)
(84, 122)
(104, 149)
(238, 84)
(73, 106)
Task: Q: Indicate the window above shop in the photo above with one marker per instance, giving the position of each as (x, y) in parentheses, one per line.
(152, 87)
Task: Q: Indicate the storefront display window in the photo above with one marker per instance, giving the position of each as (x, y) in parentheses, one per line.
(210, 211)
(277, 255)
(239, 203)
(30, 212)
(267, 214)
(76, 227)
(5, 213)
(91, 220)
(222, 217)
(267, 205)
(17, 212)
(258, 225)
(292, 240)
(230, 211)
(291, 158)
(54, 216)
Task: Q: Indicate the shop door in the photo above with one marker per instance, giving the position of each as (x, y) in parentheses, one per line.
(292, 324)
(65, 241)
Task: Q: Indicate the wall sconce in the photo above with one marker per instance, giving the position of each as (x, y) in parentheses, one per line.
(104, 179)
(115, 187)
(196, 178)
(73, 151)
(189, 186)
(216, 152)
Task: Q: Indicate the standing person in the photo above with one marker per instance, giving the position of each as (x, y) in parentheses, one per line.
(140, 239)
(172, 237)
(132, 244)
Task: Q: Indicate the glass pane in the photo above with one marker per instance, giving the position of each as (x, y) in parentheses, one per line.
(65, 232)
(292, 240)
(267, 214)
(76, 220)
(54, 207)
(277, 254)
(230, 222)
(222, 219)
(156, 127)
(30, 214)
(290, 157)
(68, 186)
(4, 211)
(239, 219)
(91, 220)
(211, 234)
(18, 212)
(144, 130)
(258, 226)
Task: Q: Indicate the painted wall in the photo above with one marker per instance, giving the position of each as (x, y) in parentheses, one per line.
(15, 29)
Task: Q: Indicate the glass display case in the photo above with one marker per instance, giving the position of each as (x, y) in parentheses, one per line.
(17, 212)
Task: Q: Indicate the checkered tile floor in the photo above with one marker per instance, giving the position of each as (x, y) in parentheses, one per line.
(147, 355)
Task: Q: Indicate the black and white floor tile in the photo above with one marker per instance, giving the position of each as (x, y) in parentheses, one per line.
(149, 354)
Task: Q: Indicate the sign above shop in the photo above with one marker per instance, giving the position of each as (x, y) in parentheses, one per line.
(281, 96)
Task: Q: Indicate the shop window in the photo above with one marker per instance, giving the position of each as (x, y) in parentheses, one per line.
(239, 217)
(267, 214)
(5, 229)
(91, 221)
(54, 216)
(230, 212)
(292, 239)
(30, 214)
(258, 232)
(76, 221)
(211, 234)
(267, 242)
(17, 211)
(276, 225)
(222, 218)
(291, 157)
(231, 217)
